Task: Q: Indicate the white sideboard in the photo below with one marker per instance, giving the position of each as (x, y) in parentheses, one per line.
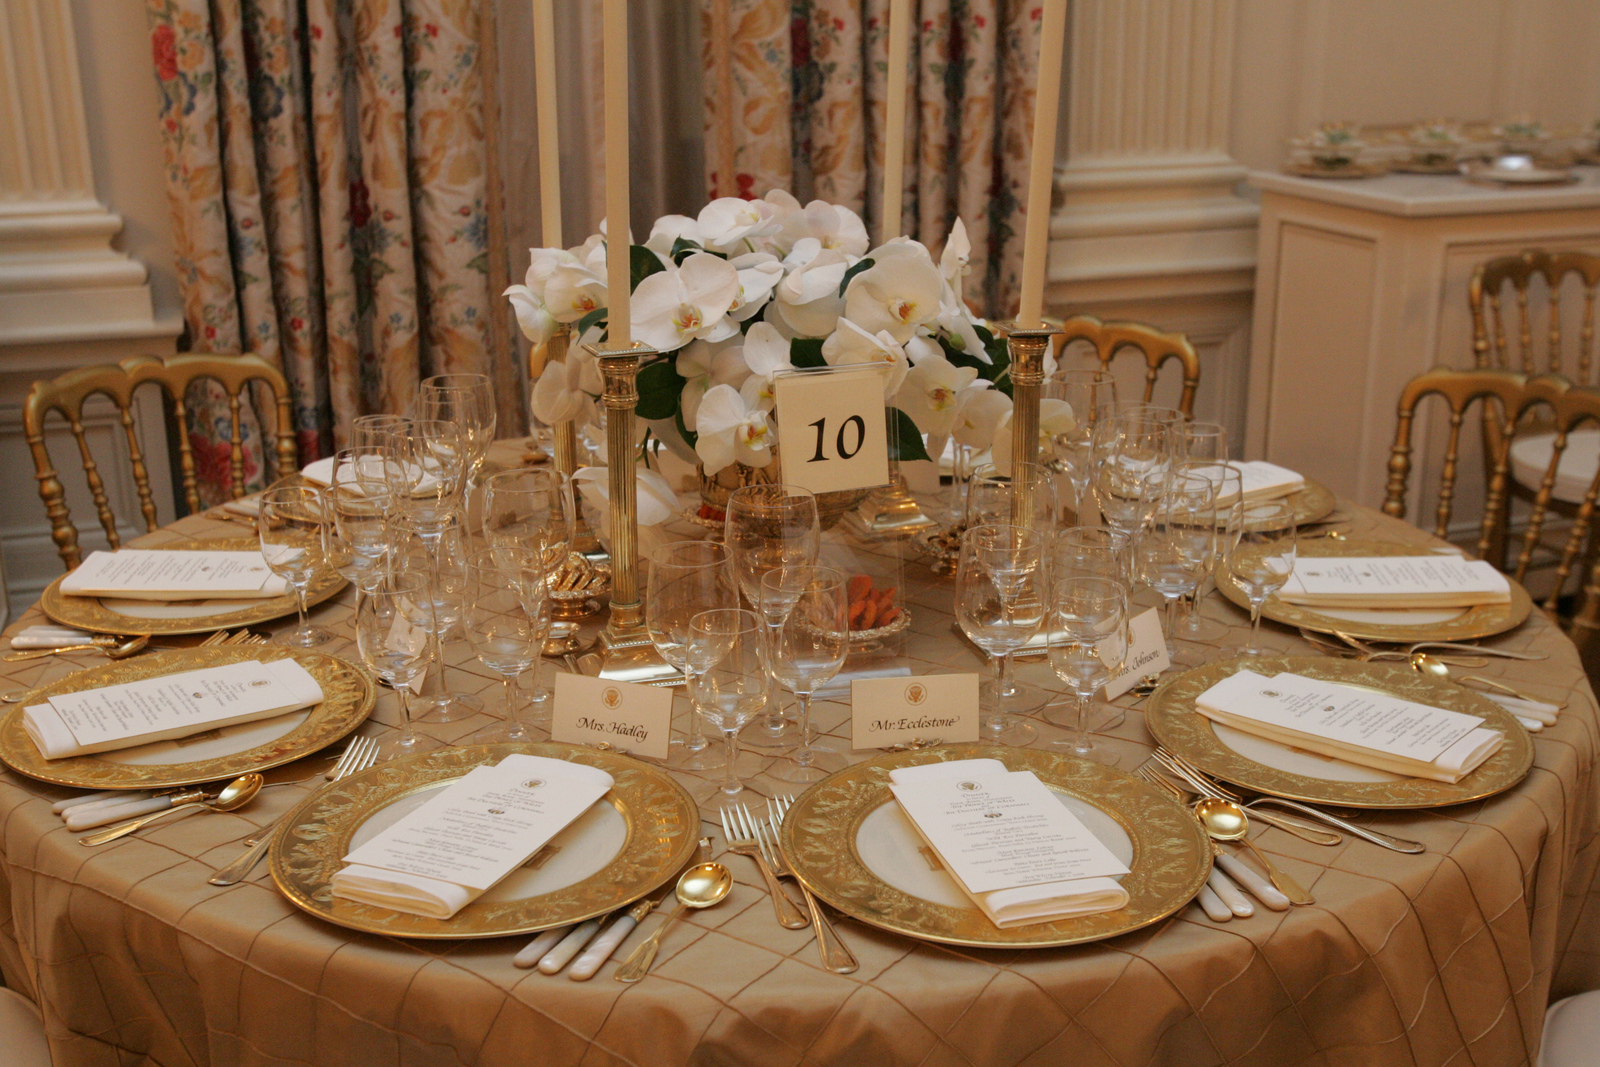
(1360, 285)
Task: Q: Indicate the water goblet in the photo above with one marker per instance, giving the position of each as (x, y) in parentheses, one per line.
(1262, 559)
(1088, 642)
(1000, 603)
(1092, 395)
(806, 650)
(504, 631)
(1225, 530)
(392, 638)
(727, 684)
(685, 579)
(1176, 551)
(292, 525)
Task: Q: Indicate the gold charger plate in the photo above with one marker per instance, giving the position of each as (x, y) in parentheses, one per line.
(88, 613)
(662, 826)
(1179, 728)
(348, 693)
(1171, 855)
(1485, 620)
(1316, 501)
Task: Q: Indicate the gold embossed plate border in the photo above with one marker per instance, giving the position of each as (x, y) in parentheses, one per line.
(1170, 715)
(1316, 501)
(348, 694)
(87, 613)
(1485, 620)
(663, 825)
(1171, 856)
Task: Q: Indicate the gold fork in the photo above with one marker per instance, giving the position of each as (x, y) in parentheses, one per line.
(741, 834)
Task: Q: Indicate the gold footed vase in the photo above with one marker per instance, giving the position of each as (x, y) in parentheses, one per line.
(716, 488)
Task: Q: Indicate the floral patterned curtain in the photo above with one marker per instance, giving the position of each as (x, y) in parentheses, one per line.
(795, 99)
(328, 166)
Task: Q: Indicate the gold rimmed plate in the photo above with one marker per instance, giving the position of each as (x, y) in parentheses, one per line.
(631, 842)
(850, 844)
(109, 615)
(1311, 504)
(1264, 766)
(348, 693)
(1430, 624)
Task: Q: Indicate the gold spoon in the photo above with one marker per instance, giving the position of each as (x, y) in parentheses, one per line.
(114, 647)
(701, 886)
(1433, 666)
(1226, 821)
(236, 794)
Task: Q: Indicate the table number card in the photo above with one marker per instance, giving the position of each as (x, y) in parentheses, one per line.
(935, 708)
(1147, 654)
(833, 428)
(591, 711)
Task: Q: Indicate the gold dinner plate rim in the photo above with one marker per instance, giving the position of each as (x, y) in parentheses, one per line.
(1172, 719)
(336, 716)
(1484, 620)
(308, 846)
(1171, 854)
(1311, 503)
(87, 613)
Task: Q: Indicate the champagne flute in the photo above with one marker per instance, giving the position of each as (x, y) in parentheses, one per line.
(1000, 603)
(503, 628)
(291, 525)
(767, 526)
(391, 635)
(727, 685)
(685, 579)
(529, 520)
(1085, 552)
(807, 649)
(1262, 559)
(1225, 530)
(1088, 642)
(1092, 396)
(1175, 552)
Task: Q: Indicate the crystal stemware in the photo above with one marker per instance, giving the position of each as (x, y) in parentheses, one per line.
(1092, 396)
(503, 628)
(1225, 529)
(685, 579)
(806, 650)
(292, 525)
(1088, 642)
(1262, 559)
(727, 685)
(1174, 553)
(1000, 603)
(392, 637)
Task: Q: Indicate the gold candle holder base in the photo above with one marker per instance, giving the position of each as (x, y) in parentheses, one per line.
(891, 513)
(566, 639)
(629, 655)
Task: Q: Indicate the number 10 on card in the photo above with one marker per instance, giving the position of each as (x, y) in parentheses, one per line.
(833, 429)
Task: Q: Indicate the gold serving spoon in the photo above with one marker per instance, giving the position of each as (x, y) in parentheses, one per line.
(701, 886)
(236, 794)
(1423, 663)
(1226, 821)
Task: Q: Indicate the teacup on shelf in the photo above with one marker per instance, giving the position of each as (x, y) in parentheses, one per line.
(1332, 147)
(1434, 144)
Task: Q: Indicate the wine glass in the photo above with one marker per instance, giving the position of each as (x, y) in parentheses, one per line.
(1206, 441)
(292, 527)
(727, 684)
(1131, 455)
(1088, 642)
(1092, 395)
(1262, 559)
(807, 649)
(441, 556)
(358, 536)
(468, 401)
(503, 628)
(767, 526)
(528, 520)
(1229, 483)
(428, 472)
(685, 579)
(392, 637)
(1176, 551)
(1092, 551)
(997, 499)
(1000, 603)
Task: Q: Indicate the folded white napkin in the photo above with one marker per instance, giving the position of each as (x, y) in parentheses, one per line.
(413, 894)
(319, 472)
(1455, 763)
(1006, 908)
(298, 689)
(248, 506)
(50, 637)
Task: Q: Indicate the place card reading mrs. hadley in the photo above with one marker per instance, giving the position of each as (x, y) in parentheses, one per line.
(593, 711)
(932, 709)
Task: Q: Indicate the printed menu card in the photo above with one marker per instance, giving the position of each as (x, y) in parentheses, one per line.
(445, 854)
(151, 574)
(1260, 480)
(173, 705)
(1434, 581)
(1008, 842)
(1356, 725)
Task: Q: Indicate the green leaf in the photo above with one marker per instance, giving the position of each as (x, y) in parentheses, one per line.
(595, 317)
(905, 440)
(682, 249)
(641, 264)
(993, 371)
(806, 353)
(844, 283)
(688, 434)
(660, 389)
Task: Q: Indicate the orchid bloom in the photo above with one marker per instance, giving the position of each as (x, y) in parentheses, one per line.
(850, 345)
(953, 260)
(558, 395)
(657, 502)
(807, 302)
(528, 299)
(679, 304)
(979, 410)
(1055, 418)
(667, 231)
(766, 353)
(931, 392)
(832, 226)
(896, 294)
(578, 286)
(759, 273)
(704, 365)
(732, 224)
(731, 431)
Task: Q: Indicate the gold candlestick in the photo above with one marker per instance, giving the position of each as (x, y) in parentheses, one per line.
(565, 440)
(1027, 346)
(627, 651)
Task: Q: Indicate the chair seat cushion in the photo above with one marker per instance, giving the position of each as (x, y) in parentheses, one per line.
(21, 1032)
(1530, 458)
(1571, 1031)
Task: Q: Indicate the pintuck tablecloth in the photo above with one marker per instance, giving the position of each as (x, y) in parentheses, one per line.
(1445, 958)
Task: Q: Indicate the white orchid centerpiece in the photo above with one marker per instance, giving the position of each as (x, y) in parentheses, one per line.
(752, 289)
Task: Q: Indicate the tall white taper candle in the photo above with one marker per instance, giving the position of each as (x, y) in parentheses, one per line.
(619, 333)
(1041, 171)
(544, 91)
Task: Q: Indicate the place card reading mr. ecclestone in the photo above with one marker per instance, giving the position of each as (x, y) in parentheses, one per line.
(592, 711)
(1147, 654)
(933, 709)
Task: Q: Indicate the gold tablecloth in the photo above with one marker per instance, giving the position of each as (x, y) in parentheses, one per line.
(1443, 958)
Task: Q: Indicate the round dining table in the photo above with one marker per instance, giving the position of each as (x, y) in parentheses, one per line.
(1447, 957)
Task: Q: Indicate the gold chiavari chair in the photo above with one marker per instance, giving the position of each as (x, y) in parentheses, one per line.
(1158, 347)
(1509, 399)
(1490, 345)
(118, 382)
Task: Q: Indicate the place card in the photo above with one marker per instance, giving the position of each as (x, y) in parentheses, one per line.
(472, 834)
(171, 706)
(935, 708)
(151, 574)
(833, 428)
(1416, 581)
(590, 711)
(1147, 654)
